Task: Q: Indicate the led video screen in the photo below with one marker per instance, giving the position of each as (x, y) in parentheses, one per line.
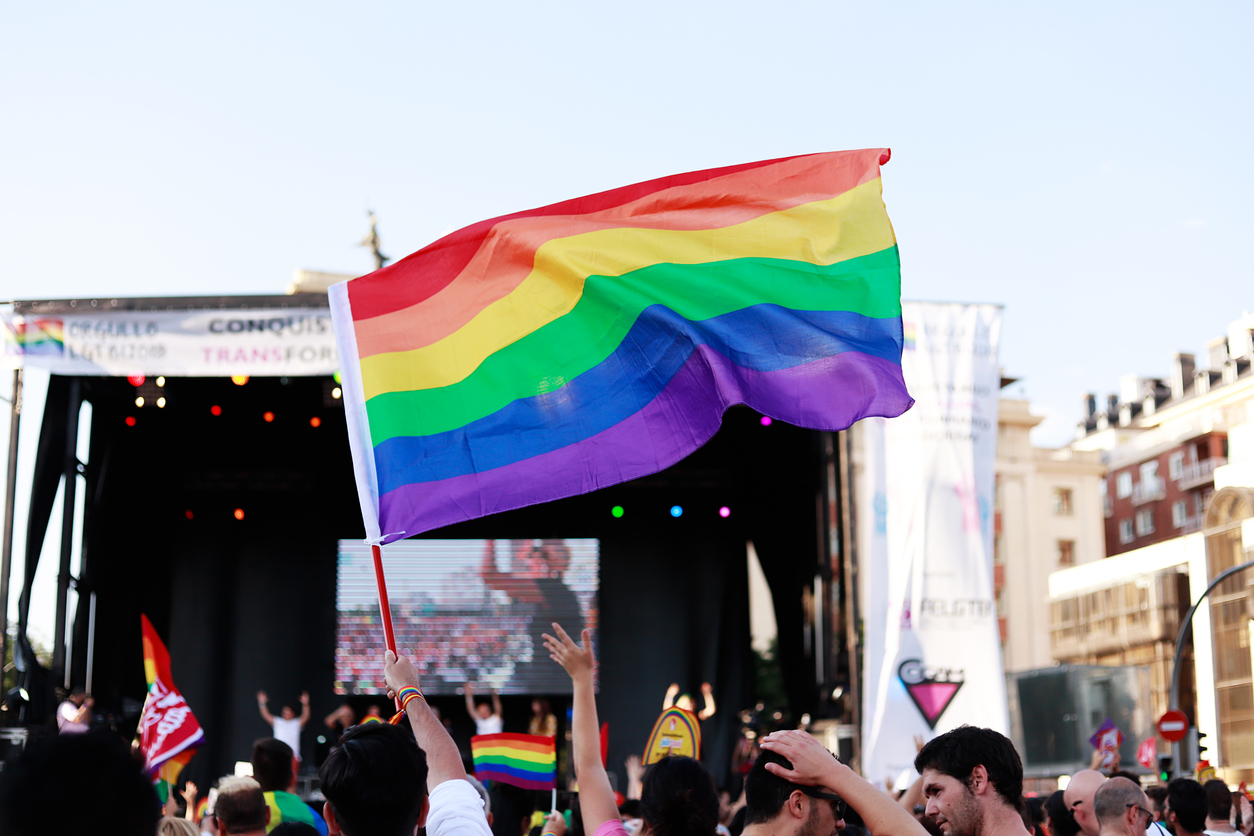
(464, 611)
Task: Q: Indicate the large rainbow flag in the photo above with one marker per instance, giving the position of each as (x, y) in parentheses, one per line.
(522, 760)
(560, 350)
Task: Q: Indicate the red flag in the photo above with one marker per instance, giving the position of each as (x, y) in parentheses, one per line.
(168, 731)
(1147, 752)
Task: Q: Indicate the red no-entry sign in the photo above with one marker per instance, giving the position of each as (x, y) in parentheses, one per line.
(1173, 726)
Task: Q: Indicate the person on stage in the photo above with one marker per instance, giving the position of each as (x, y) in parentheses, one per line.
(685, 701)
(74, 715)
(288, 725)
(543, 720)
(489, 719)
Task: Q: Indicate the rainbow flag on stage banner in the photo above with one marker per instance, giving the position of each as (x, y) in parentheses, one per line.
(168, 731)
(522, 760)
(560, 350)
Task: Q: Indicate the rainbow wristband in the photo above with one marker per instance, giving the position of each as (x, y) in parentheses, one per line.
(408, 693)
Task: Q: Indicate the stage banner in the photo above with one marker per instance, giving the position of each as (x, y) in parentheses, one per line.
(198, 343)
(932, 651)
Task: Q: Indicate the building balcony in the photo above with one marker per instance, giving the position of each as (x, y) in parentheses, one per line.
(1108, 507)
(1191, 524)
(1148, 491)
(1196, 474)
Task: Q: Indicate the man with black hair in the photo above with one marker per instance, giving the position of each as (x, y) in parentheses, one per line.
(1218, 808)
(813, 777)
(1122, 808)
(77, 783)
(273, 768)
(775, 806)
(1184, 811)
(240, 808)
(388, 780)
(973, 782)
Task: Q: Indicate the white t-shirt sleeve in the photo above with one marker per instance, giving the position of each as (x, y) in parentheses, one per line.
(457, 810)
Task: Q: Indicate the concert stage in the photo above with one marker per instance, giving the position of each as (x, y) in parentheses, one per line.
(218, 515)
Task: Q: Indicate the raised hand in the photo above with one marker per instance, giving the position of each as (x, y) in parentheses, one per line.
(577, 660)
(262, 698)
(398, 673)
(554, 823)
(304, 698)
(811, 763)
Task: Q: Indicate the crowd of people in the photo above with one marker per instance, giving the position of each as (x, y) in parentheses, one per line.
(406, 776)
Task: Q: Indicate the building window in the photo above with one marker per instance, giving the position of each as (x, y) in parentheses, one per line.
(1066, 552)
(1179, 511)
(1144, 522)
(1123, 485)
(1062, 501)
(1125, 531)
(1149, 474)
(1175, 465)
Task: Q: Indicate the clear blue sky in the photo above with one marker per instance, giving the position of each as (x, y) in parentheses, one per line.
(1086, 165)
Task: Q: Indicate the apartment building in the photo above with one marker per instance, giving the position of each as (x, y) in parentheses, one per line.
(1178, 509)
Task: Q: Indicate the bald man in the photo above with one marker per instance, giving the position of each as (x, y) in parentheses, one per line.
(1079, 798)
(1122, 808)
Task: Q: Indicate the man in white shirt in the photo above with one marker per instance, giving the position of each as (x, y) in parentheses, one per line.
(488, 719)
(374, 780)
(74, 715)
(288, 725)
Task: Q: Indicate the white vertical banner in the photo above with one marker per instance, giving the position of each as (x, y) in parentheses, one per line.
(932, 650)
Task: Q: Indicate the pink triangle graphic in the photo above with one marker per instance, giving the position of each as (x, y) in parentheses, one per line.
(933, 698)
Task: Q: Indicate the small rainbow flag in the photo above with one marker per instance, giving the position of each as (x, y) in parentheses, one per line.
(560, 350)
(35, 337)
(522, 760)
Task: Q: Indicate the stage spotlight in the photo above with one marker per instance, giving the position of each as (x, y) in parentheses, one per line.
(724, 512)
(337, 393)
(268, 417)
(160, 403)
(315, 421)
(160, 382)
(617, 512)
(215, 410)
(239, 379)
(130, 420)
(135, 379)
(239, 513)
(766, 421)
(188, 513)
(677, 511)
(336, 377)
(139, 401)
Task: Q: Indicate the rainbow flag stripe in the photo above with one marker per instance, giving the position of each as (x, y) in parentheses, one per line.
(522, 760)
(557, 351)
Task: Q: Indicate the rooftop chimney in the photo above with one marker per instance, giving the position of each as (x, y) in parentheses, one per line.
(1218, 349)
(1112, 404)
(1090, 405)
(1181, 375)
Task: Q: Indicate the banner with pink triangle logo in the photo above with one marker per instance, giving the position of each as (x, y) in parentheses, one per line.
(930, 689)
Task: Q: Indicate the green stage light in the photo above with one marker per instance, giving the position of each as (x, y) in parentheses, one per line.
(617, 512)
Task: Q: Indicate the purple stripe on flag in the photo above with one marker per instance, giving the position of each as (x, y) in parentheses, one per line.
(827, 394)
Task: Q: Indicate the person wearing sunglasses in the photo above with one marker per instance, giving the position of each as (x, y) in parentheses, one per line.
(1122, 808)
(798, 788)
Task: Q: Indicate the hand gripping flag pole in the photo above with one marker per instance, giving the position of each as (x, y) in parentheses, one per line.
(564, 349)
